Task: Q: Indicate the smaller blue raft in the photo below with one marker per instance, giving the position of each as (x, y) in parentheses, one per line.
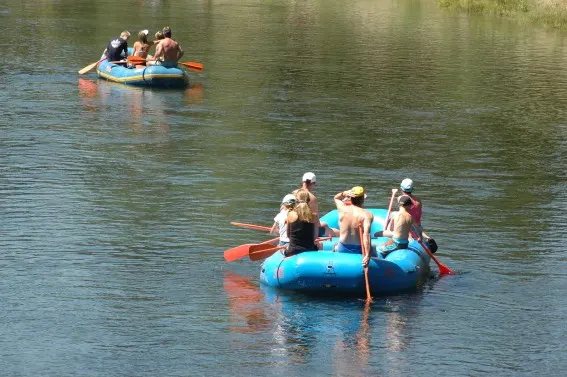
(327, 272)
(156, 76)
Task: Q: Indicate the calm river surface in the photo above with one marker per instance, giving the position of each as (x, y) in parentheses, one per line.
(116, 202)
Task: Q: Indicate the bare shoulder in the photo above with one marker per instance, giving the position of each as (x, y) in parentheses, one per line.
(291, 216)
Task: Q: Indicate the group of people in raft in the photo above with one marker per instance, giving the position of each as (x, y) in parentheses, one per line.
(298, 222)
(167, 50)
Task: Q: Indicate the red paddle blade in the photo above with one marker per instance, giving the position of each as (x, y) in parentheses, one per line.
(237, 252)
(443, 270)
(243, 250)
(263, 251)
(252, 226)
(136, 59)
(198, 67)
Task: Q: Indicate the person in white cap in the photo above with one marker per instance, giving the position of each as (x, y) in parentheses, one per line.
(141, 46)
(416, 211)
(280, 221)
(308, 183)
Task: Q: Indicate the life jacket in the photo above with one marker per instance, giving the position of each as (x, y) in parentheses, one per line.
(415, 209)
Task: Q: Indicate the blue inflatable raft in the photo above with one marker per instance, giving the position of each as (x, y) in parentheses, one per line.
(327, 272)
(152, 76)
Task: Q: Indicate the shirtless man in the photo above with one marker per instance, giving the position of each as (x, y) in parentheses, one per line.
(401, 223)
(350, 218)
(168, 51)
(308, 183)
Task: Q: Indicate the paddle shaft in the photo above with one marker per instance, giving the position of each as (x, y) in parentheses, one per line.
(365, 252)
(252, 226)
(91, 66)
(387, 220)
(256, 255)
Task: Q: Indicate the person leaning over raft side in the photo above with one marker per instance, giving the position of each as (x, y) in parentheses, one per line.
(401, 223)
(116, 46)
(280, 221)
(168, 51)
(350, 218)
(300, 226)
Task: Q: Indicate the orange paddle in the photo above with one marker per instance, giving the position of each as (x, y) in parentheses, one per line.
(136, 60)
(241, 251)
(252, 226)
(443, 270)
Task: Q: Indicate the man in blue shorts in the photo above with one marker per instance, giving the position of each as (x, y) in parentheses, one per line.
(400, 227)
(351, 217)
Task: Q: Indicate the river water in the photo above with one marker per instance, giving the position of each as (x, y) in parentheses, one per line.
(116, 202)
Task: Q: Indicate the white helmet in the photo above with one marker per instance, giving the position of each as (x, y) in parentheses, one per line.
(407, 185)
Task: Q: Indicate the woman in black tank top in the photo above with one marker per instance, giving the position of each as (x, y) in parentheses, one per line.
(301, 226)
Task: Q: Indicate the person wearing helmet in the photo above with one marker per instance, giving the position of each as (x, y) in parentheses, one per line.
(280, 221)
(402, 222)
(416, 211)
(351, 216)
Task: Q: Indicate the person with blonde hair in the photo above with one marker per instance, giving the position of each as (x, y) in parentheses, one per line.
(301, 225)
(117, 46)
(141, 46)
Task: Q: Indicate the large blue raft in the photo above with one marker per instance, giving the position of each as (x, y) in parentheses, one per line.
(327, 272)
(151, 76)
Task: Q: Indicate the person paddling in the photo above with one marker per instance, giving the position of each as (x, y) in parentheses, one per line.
(416, 211)
(399, 230)
(351, 216)
(117, 46)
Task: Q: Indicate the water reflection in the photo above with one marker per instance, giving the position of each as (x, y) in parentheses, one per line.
(135, 106)
(345, 333)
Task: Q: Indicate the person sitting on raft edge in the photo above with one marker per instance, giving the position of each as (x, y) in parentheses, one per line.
(401, 224)
(301, 226)
(350, 218)
(280, 221)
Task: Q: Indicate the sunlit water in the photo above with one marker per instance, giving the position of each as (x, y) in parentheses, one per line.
(116, 202)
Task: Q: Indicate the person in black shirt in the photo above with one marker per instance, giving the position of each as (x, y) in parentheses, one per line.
(116, 46)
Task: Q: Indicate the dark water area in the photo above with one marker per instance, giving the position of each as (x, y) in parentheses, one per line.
(116, 202)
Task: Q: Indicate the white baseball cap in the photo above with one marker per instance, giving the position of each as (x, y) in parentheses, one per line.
(407, 185)
(309, 177)
(289, 199)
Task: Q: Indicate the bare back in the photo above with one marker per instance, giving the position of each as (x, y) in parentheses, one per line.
(168, 50)
(402, 225)
(350, 219)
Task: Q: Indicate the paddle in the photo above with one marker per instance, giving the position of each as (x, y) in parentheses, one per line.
(91, 66)
(194, 66)
(258, 253)
(394, 191)
(443, 270)
(252, 226)
(243, 250)
(365, 252)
